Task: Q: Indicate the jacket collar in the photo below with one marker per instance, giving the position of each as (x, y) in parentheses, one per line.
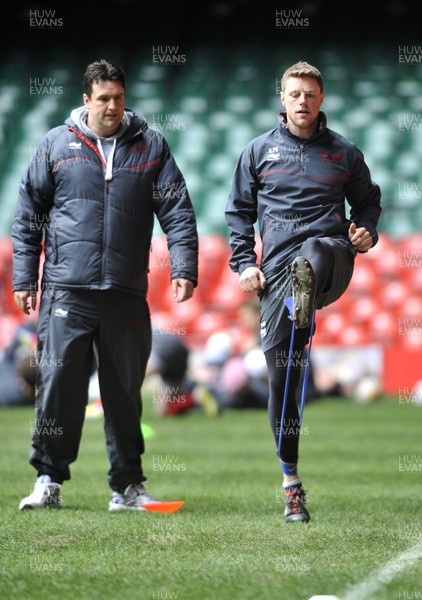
(282, 121)
(132, 123)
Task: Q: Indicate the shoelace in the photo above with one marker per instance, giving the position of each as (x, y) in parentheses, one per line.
(296, 500)
(136, 490)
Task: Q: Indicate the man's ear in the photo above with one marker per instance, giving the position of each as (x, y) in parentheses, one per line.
(282, 98)
(86, 100)
(322, 97)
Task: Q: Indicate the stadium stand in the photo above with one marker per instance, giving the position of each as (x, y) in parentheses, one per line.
(208, 109)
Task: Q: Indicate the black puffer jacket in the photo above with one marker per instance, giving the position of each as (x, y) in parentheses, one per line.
(98, 229)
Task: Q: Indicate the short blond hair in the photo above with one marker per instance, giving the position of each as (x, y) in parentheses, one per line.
(302, 69)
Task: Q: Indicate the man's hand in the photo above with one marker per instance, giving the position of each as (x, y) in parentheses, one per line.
(251, 279)
(360, 238)
(182, 289)
(25, 300)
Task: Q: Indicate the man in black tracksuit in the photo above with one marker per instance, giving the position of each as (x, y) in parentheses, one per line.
(89, 199)
(294, 181)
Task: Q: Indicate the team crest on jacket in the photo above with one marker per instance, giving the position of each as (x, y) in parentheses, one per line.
(273, 153)
(331, 158)
(138, 148)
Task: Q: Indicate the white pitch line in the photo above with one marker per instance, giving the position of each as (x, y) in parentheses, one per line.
(392, 569)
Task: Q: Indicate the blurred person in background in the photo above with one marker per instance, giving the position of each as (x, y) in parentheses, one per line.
(17, 367)
(294, 180)
(90, 195)
(244, 382)
(249, 323)
(169, 363)
(206, 373)
(229, 372)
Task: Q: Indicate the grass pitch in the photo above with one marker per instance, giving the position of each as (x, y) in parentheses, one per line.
(229, 540)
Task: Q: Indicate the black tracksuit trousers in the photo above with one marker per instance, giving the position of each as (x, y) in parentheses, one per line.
(78, 330)
(333, 268)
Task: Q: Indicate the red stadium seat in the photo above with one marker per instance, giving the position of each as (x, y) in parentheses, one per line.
(353, 335)
(414, 279)
(412, 338)
(364, 310)
(7, 302)
(227, 297)
(339, 306)
(214, 247)
(213, 260)
(410, 249)
(363, 281)
(159, 274)
(5, 256)
(383, 328)
(384, 244)
(159, 255)
(412, 307)
(393, 294)
(185, 314)
(228, 277)
(410, 322)
(388, 265)
(207, 323)
(214, 253)
(410, 260)
(329, 328)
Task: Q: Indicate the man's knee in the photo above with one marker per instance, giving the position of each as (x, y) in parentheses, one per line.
(312, 245)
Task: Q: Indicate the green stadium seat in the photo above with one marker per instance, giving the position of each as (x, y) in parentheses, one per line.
(219, 101)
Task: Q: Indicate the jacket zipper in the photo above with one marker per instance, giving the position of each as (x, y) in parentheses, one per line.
(97, 152)
(103, 260)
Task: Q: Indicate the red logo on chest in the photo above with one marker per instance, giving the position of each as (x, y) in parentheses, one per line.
(331, 158)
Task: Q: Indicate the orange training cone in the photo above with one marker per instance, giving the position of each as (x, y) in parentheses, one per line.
(165, 507)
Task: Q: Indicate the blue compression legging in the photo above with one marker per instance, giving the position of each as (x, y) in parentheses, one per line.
(277, 361)
(321, 256)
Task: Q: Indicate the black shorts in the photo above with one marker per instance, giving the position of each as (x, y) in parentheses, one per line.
(276, 324)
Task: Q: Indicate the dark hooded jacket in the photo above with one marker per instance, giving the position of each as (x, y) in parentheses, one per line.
(95, 217)
(296, 189)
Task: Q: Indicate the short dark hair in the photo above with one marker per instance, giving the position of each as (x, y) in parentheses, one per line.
(302, 69)
(102, 70)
